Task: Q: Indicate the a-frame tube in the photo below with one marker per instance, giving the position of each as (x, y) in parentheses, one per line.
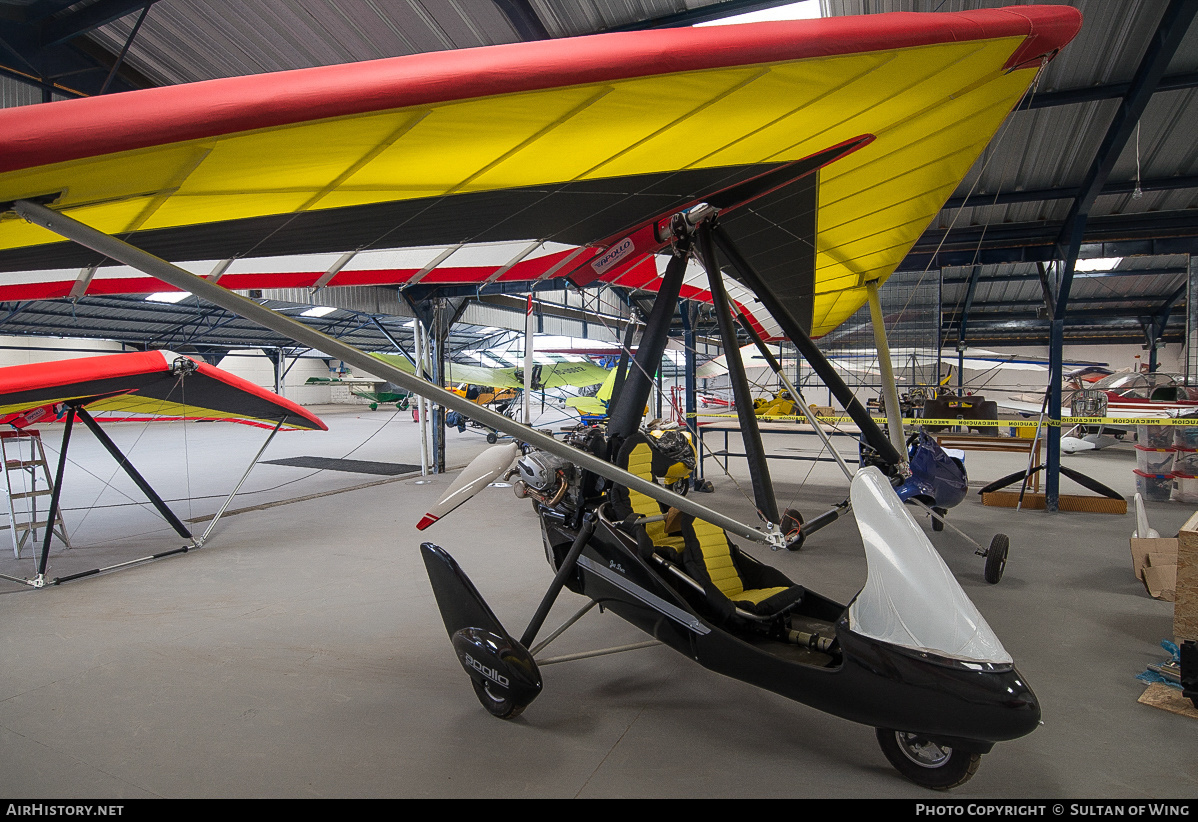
(137, 478)
(242, 306)
(57, 493)
(215, 519)
(815, 358)
(759, 472)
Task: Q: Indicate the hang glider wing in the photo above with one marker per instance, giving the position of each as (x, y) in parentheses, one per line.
(547, 375)
(144, 383)
(559, 157)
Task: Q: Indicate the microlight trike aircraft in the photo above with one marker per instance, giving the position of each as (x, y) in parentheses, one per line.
(795, 162)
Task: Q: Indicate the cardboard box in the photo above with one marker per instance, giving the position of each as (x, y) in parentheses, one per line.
(1154, 562)
(1185, 607)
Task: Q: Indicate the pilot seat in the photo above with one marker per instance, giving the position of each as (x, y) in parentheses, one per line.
(734, 585)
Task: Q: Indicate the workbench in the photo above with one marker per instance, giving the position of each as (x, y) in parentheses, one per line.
(977, 442)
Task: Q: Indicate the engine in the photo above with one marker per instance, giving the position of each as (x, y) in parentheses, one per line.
(554, 482)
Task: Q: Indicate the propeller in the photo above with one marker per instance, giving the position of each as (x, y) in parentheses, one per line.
(1143, 529)
(481, 472)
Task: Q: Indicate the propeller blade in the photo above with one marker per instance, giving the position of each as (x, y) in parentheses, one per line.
(481, 472)
(1143, 529)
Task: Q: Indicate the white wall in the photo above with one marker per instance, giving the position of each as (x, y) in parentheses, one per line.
(26, 350)
(249, 364)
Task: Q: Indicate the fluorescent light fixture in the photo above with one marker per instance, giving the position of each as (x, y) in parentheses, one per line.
(804, 10)
(318, 311)
(168, 296)
(1097, 264)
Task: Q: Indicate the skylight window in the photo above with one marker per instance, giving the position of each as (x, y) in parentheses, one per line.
(1097, 264)
(318, 311)
(168, 296)
(804, 10)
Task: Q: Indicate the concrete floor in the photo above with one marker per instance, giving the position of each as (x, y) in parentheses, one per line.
(300, 652)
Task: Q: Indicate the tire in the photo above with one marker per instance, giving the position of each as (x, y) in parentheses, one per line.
(492, 438)
(996, 558)
(937, 525)
(926, 763)
(501, 708)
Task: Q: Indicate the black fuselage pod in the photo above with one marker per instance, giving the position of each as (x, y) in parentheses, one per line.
(961, 703)
(503, 672)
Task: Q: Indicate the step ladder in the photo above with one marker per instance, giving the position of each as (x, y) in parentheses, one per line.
(25, 469)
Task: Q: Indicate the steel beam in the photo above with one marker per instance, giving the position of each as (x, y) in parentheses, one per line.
(979, 199)
(1171, 31)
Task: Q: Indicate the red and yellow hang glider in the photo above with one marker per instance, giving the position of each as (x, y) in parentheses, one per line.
(145, 384)
(535, 160)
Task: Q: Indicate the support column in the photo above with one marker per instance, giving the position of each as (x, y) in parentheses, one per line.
(437, 341)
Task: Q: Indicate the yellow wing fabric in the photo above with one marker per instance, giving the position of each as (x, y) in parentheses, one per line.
(467, 146)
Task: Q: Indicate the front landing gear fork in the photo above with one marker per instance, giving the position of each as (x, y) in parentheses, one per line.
(559, 580)
(926, 762)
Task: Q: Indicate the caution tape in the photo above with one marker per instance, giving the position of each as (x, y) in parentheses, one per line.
(1066, 422)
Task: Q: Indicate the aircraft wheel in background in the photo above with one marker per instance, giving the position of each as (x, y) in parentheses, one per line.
(937, 525)
(927, 763)
(996, 558)
(492, 438)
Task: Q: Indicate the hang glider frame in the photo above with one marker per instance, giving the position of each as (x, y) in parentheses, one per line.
(76, 411)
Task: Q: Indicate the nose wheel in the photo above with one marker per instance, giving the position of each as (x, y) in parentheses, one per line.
(996, 558)
(925, 762)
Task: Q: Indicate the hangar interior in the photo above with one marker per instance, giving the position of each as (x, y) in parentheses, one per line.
(301, 653)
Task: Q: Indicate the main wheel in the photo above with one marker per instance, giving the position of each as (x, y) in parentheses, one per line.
(927, 763)
(502, 708)
(996, 558)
